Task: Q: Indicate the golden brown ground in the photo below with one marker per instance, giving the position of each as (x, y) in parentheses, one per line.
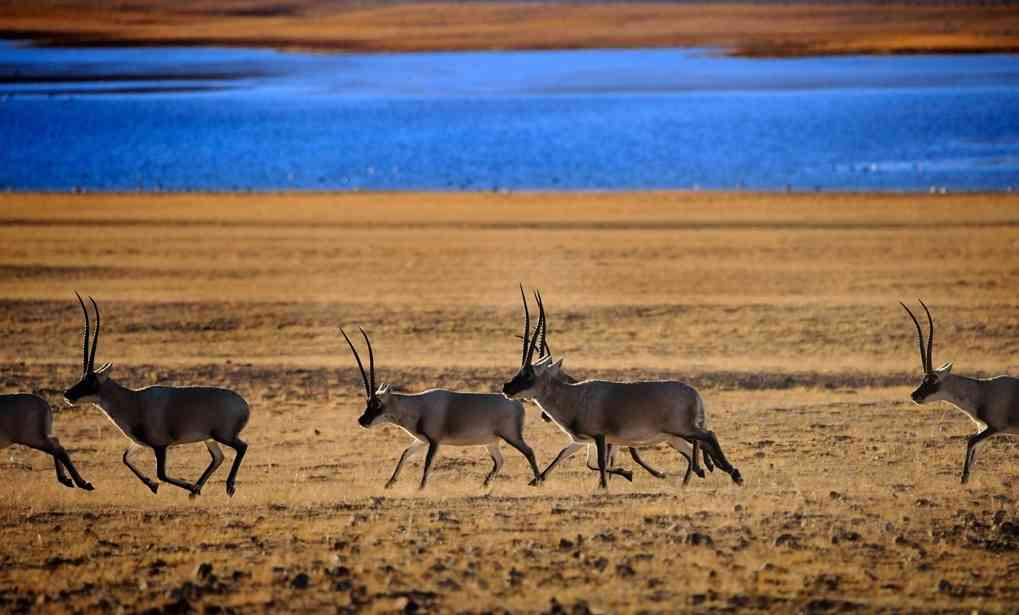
(781, 309)
(753, 29)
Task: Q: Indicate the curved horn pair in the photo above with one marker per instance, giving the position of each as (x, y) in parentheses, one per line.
(88, 359)
(539, 330)
(926, 358)
(369, 385)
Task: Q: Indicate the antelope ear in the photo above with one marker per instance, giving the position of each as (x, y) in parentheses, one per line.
(101, 372)
(945, 369)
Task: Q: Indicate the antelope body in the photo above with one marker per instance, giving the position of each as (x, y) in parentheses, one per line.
(27, 420)
(577, 443)
(623, 413)
(991, 403)
(439, 416)
(159, 417)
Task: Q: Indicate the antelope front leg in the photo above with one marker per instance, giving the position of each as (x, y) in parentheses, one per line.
(568, 451)
(528, 453)
(62, 460)
(599, 441)
(433, 448)
(161, 471)
(612, 469)
(410, 452)
(240, 448)
(971, 450)
(217, 459)
(61, 476)
(151, 484)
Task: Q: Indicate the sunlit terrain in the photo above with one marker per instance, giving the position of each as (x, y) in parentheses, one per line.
(781, 309)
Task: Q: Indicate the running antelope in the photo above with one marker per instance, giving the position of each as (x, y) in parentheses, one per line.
(681, 446)
(439, 416)
(991, 403)
(159, 417)
(658, 411)
(27, 420)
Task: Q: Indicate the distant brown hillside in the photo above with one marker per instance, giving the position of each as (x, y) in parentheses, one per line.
(749, 29)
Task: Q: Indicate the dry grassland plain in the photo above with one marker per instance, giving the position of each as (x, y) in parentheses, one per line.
(781, 309)
(762, 28)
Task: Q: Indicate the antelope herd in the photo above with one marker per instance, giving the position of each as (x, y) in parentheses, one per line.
(600, 413)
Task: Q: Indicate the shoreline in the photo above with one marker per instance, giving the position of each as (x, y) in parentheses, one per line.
(739, 29)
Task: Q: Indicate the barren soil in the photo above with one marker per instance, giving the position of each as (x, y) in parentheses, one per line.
(764, 28)
(781, 309)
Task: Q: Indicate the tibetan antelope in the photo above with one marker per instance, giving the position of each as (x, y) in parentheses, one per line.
(439, 416)
(679, 445)
(27, 420)
(159, 417)
(624, 413)
(991, 403)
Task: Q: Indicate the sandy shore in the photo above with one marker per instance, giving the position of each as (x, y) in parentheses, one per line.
(781, 309)
(771, 29)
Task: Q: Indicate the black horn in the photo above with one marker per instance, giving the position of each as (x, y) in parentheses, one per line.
(95, 338)
(919, 336)
(84, 350)
(534, 340)
(527, 326)
(360, 366)
(543, 344)
(371, 360)
(930, 337)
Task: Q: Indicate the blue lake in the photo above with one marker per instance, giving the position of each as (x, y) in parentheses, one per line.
(240, 119)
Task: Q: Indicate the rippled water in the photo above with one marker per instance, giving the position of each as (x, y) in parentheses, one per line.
(228, 119)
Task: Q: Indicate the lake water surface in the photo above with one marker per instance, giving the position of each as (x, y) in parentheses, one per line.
(229, 119)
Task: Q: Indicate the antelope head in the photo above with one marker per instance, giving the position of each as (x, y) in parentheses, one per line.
(933, 378)
(523, 383)
(88, 387)
(375, 403)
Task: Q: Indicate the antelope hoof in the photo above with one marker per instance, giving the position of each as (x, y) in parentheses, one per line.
(389, 484)
(736, 477)
(195, 492)
(66, 482)
(965, 478)
(87, 486)
(231, 489)
(628, 475)
(537, 481)
(699, 472)
(153, 487)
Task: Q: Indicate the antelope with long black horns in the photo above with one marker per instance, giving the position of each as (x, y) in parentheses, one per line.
(991, 403)
(679, 445)
(624, 413)
(159, 417)
(438, 416)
